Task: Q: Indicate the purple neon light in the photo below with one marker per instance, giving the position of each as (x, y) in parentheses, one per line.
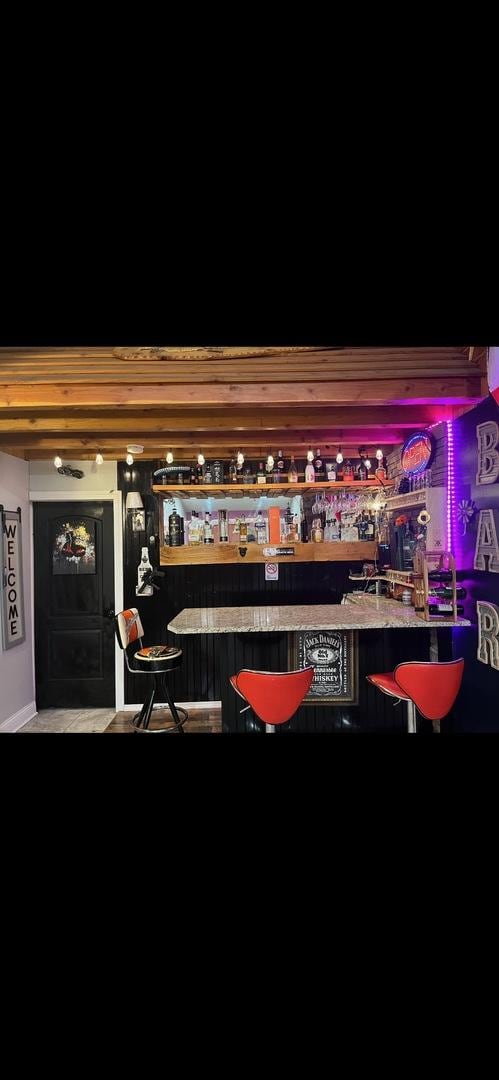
(451, 487)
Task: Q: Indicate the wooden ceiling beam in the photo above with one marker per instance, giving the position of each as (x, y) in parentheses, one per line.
(453, 391)
(164, 421)
(212, 440)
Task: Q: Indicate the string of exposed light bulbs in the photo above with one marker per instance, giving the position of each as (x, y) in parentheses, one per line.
(270, 459)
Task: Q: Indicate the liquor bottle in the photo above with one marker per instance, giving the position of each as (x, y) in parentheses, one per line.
(218, 472)
(174, 529)
(440, 575)
(317, 531)
(208, 476)
(193, 534)
(199, 474)
(331, 470)
(144, 571)
(444, 608)
(243, 531)
(260, 528)
(280, 465)
(380, 472)
(309, 473)
(222, 527)
(445, 593)
(318, 462)
(232, 471)
(369, 529)
(208, 531)
(193, 477)
(261, 477)
(361, 470)
(303, 526)
(347, 471)
(292, 472)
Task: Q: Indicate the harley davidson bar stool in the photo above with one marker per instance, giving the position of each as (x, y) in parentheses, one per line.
(156, 661)
(274, 696)
(430, 688)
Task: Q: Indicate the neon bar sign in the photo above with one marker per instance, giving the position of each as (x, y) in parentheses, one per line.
(417, 452)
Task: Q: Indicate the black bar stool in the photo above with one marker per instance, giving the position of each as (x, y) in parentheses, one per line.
(155, 661)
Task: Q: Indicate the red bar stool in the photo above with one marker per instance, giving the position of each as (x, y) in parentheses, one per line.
(274, 696)
(431, 688)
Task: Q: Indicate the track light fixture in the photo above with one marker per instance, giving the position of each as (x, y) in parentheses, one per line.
(129, 459)
(339, 456)
(240, 459)
(310, 454)
(169, 458)
(200, 458)
(270, 461)
(57, 462)
(379, 455)
(99, 460)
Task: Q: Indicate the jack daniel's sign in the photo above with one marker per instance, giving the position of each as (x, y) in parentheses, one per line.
(334, 655)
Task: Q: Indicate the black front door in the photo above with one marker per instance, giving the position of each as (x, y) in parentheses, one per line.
(74, 588)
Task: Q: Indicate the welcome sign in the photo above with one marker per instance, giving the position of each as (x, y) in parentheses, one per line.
(13, 629)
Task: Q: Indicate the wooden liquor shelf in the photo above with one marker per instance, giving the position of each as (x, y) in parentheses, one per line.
(206, 554)
(228, 490)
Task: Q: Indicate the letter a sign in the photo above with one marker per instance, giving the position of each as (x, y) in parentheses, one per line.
(11, 571)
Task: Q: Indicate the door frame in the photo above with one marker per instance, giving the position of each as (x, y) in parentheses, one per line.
(116, 497)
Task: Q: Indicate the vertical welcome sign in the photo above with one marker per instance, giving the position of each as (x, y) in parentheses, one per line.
(11, 570)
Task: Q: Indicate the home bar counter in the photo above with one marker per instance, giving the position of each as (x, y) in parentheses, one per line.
(261, 637)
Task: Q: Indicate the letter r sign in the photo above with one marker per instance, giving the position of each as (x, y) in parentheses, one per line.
(488, 633)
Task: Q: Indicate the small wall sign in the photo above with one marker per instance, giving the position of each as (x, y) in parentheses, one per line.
(278, 551)
(11, 568)
(418, 452)
(334, 654)
(271, 571)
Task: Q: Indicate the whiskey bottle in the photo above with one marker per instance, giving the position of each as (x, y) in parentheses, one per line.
(260, 528)
(318, 466)
(440, 575)
(292, 472)
(208, 531)
(193, 478)
(443, 607)
(261, 476)
(444, 593)
(380, 472)
(309, 473)
(331, 471)
(243, 531)
(222, 526)
(232, 471)
(280, 464)
(361, 470)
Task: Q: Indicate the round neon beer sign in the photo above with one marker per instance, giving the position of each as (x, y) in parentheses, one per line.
(417, 452)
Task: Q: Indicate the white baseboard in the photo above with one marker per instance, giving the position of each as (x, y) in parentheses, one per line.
(182, 704)
(19, 719)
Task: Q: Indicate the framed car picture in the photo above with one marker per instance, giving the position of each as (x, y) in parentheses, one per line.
(334, 655)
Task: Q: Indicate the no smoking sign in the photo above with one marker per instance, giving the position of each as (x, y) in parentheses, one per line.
(271, 571)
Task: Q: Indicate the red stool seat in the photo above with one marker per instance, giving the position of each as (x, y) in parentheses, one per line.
(388, 685)
(429, 687)
(274, 696)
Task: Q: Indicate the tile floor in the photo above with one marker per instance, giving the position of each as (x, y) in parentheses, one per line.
(96, 721)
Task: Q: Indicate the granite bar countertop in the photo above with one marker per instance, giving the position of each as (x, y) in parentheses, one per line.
(360, 612)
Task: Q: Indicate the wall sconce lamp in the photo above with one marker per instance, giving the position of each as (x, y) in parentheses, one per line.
(135, 506)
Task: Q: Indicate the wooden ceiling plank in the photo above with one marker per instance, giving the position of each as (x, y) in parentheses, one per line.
(454, 390)
(207, 420)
